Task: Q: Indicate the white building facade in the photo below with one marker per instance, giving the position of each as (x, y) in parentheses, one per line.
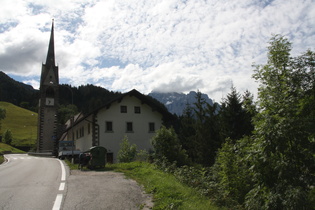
(132, 114)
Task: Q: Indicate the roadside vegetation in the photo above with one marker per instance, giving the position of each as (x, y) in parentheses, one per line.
(4, 148)
(7, 149)
(1, 159)
(167, 191)
(251, 155)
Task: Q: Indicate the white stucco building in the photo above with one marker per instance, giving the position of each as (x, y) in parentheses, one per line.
(132, 114)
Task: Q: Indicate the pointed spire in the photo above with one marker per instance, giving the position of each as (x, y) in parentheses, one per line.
(50, 61)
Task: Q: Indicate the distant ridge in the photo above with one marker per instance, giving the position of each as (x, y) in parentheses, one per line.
(16, 92)
(177, 102)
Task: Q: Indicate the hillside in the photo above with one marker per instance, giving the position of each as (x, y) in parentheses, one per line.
(4, 148)
(21, 122)
(17, 92)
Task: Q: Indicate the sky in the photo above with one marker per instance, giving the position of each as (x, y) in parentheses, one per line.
(151, 45)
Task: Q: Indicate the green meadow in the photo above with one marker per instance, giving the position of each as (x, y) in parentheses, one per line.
(21, 122)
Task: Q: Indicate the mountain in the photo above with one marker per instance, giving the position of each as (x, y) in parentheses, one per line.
(177, 102)
(86, 97)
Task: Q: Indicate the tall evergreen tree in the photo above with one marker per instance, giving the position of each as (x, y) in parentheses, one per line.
(187, 132)
(250, 110)
(202, 131)
(235, 119)
(199, 132)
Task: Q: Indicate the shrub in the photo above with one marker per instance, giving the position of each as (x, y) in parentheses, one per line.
(142, 156)
(127, 152)
(8, 137)
(232, 170)
(166, 144)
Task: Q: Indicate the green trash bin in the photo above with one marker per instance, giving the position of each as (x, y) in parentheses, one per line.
(98, 154)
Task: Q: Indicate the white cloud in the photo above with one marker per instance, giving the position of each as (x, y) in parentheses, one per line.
(167, 45)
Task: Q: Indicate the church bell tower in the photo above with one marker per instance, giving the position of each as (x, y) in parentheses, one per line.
(48, 101)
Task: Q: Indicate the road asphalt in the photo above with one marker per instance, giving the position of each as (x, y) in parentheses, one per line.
(103, 190)
(29, 182)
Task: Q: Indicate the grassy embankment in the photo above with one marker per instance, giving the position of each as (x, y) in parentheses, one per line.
(168, 193)
(21, 122)
(4, 148)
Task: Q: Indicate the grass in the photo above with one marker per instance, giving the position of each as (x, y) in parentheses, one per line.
(168, 192)
(21, 122)
(1, 159)
(4, 148)
(7, 148)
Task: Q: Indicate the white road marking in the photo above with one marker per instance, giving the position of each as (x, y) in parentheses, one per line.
(58, 200)
(62, 186)
(57, 203)
(63, 171)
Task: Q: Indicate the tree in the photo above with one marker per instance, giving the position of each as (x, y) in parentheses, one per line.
(284, 146)
(231, 171)
(187, 132)
(66, 112)
(127, 152)
(206, 139)
(250, 109)
(199, 131)
(235, 116)
(166, 145)
(8, 137)
(2, 115)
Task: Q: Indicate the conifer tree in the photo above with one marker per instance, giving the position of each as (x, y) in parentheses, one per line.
(235, 120)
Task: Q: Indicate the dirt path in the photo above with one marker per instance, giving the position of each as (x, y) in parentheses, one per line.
(104, 190)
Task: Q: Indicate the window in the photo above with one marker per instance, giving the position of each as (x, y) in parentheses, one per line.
(151, 127)
(129, 127)
(123, 109)
(81, 132)
(109, 126)
(137, 110)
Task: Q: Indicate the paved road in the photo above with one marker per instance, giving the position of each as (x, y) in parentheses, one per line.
(28, 182)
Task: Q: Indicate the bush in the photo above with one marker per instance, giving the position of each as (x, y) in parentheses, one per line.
(127, 152)
(142, 156)
(166, 144)
(8, 137)
(232, 171)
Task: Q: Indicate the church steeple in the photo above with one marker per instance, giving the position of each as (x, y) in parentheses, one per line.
(49, 101)
(50, 61)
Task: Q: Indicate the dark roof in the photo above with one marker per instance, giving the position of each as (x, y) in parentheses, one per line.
(153, 103)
